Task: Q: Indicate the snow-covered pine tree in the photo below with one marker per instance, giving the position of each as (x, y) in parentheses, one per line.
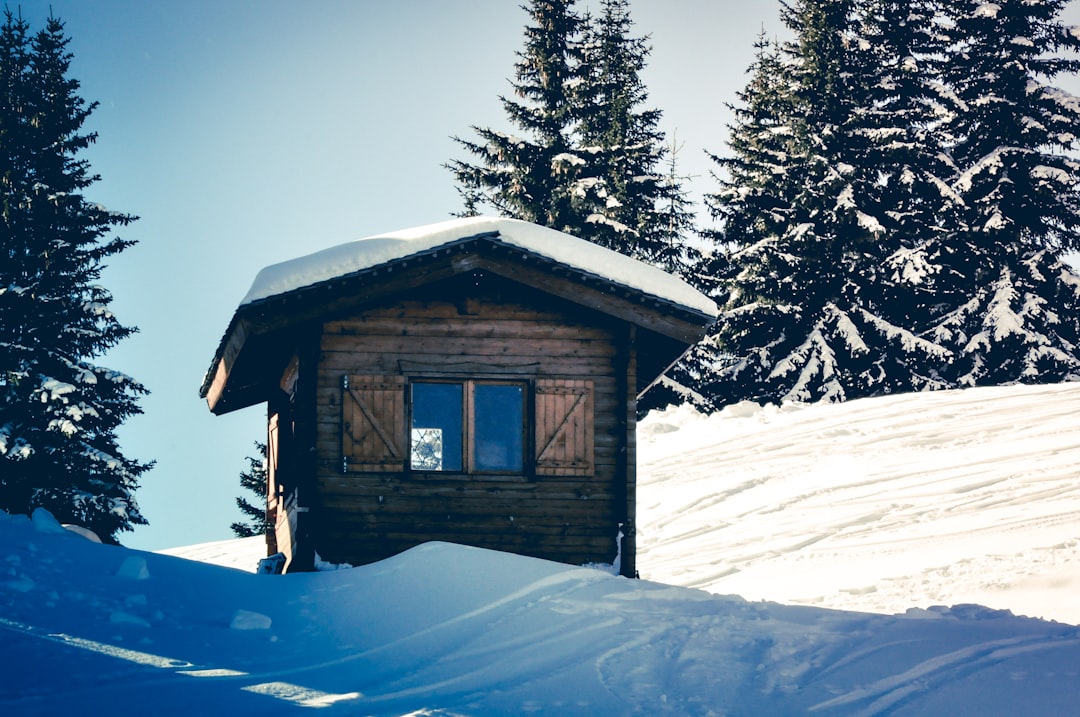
(784, 319)
(589, 158)
(58, 411)
(529, 176)
(1011, 311)
(753, 202)
(901, 48)
(253, 480)
(622, 184)
(703, 266)
(804, 207)
(687, 250)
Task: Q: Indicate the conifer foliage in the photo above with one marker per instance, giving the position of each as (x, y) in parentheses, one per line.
(1014, 137)
(531, 177)
(624, 185)
(897, 194)
(587, 156)
(253, 481)
(58, 411)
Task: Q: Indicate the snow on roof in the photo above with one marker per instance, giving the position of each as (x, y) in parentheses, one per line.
(571, 251)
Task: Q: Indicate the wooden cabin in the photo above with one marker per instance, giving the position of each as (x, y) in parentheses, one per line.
(472, 381)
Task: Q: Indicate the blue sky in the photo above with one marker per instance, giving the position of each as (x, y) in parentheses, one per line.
(246, 132)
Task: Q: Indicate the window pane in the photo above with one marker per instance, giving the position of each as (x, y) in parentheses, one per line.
(436, 427)
(498, 411)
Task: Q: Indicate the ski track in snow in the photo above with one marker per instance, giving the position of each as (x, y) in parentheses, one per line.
(884, 694)
(824, 504)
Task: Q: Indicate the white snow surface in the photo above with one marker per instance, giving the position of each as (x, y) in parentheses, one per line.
(239, 553)
(989, 10)
(374, 251)
(872, 514)
(914, 500)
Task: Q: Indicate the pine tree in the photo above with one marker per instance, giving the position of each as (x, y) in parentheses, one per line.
(58, 411)
(785, 316)
(1011, 309)
(905, 119)
(806, 208)
(530, 176)
(253, 480)
(753, 202)
(673, 227)
(589, 157)
(633, 207)
(703, 267)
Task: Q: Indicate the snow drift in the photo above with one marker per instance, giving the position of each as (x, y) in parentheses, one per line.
(451, 630)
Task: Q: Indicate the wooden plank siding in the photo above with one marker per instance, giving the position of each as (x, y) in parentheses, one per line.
(570, 514)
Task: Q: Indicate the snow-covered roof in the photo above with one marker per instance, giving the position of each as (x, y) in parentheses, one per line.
(578, 254)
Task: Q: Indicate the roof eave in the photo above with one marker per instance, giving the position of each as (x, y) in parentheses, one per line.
(655, 313)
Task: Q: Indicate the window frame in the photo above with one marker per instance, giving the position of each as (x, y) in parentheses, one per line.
(469, 462)
(558, 421)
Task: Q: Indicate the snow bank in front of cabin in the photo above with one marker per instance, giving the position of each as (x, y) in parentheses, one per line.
(375, 251)
(452, 630)
(237, 553)
(881, 504)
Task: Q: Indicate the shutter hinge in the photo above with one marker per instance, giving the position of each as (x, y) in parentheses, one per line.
(345, 381)
(344, 464)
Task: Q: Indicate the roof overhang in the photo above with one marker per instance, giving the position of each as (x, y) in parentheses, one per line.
(256, 346)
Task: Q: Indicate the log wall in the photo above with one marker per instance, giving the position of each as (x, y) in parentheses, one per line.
(471, 331)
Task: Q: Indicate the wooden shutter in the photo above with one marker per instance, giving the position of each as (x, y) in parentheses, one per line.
(564, 427)
(373, 424)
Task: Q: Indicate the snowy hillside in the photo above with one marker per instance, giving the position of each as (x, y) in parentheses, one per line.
(880, 504)
(910, 501)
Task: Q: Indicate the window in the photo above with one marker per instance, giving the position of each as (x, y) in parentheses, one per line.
(498, 427)
(390, 424)
(437, 419)
(470, 426)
